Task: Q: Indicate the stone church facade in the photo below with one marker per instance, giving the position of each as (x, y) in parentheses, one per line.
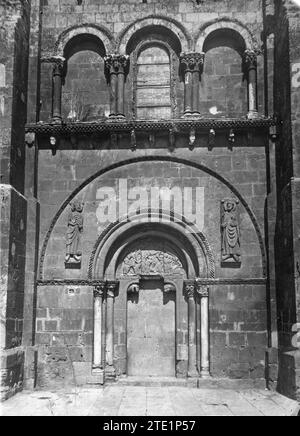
(149, 192)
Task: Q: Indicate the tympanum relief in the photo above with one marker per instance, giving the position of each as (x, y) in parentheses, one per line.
(149, 261)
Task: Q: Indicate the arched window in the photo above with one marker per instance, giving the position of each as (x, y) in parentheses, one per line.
(85, 95)
(223, 83)
(153, 83)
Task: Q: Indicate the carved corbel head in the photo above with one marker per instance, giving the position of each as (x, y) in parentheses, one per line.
(134, 288)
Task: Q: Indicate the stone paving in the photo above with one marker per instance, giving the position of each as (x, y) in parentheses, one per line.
(116, 400)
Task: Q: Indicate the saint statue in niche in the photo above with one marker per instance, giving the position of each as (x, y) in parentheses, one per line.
(230, 231)
(75, 228)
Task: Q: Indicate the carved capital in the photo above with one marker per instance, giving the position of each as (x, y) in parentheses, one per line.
(202, 290)
(250, 58)
(116, 64)
(111, 289)
(99, 290)
(192, 61)
(58, 63)
(189, 289)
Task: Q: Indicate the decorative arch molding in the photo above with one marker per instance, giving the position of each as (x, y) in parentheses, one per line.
(152, 159)
(179, 31)
(221, 24)
(186, 233)
(98, 31)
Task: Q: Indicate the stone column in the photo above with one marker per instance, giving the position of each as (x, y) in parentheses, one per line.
(250, 62)
(191, 67)
(203, 292)
(192, 352)
(110, 296)
(57, 82)
(116, 68)
(99, 291)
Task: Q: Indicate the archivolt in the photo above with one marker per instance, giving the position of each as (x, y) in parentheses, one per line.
(151, 159)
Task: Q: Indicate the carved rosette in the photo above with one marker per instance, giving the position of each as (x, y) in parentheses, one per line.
(192, 62)
(99, 290)
(250, 58)
(189, 289)
(116, 64)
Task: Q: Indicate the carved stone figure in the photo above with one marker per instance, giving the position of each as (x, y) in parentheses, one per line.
(75, 228)
(230, 231)
(149, 261)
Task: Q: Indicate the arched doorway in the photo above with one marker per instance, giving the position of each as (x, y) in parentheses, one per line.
(151, 309)
(155, 265)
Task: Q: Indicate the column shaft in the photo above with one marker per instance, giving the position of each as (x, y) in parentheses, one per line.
(116, 68)
(204, 305)
(120, 103)
(250, 61)
(191, 67)
(195, 92)
(192, 352)
(57, 90)
(98, 296)
(188, 92)
(110, 295)
(113, 94)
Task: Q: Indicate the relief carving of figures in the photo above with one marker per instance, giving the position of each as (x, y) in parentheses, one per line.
(132, 264)
(147, 262)
(230, 230)
(73, 236)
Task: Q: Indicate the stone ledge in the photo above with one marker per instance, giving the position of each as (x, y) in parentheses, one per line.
(121, 126)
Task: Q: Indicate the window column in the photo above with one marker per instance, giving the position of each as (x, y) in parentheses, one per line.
(250, 62)
(57, 82)
(116, 69)
(191, 68)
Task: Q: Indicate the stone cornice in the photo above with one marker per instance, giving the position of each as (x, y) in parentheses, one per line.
(123, 126)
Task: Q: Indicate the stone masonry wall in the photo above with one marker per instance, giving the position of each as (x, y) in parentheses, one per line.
(238, 313)
(14, 38)
(287, 66)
